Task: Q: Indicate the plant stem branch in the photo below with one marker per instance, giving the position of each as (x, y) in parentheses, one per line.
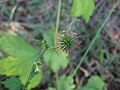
(13, 12)
(58, 19)
(70, 25)
(93, 41)
(56, 33)
(32, 69)
(57, 82)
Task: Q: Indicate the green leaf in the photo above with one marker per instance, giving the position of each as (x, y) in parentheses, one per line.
(83, 8)
(13, 83)
(50, 88)
(94, 83)
(49, 37)
(66, 83)
(55, 59)
(19, 61)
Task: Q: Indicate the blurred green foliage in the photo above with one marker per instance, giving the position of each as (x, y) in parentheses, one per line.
(38, 17)
(55, 59)
(64, 83)
(83, 8)
(13, 83)
(20, 59)
(94, 83)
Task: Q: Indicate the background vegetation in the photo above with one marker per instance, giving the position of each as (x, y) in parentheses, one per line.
(29, 33)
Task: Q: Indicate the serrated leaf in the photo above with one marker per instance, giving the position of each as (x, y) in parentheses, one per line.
(94, 83)
(12, 83)
(55, 59)
(83, 8)
(19, 61)
(66, 83)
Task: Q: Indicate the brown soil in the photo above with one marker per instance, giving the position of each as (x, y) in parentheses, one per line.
(114, 85)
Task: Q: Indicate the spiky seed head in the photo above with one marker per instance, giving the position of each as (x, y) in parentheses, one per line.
(67, 41)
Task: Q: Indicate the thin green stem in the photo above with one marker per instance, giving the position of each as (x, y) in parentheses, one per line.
(57, 82)
(56, 33)
(70, 25)
(93, 41)
(13, 12)
(32, 69)
(58, 19)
